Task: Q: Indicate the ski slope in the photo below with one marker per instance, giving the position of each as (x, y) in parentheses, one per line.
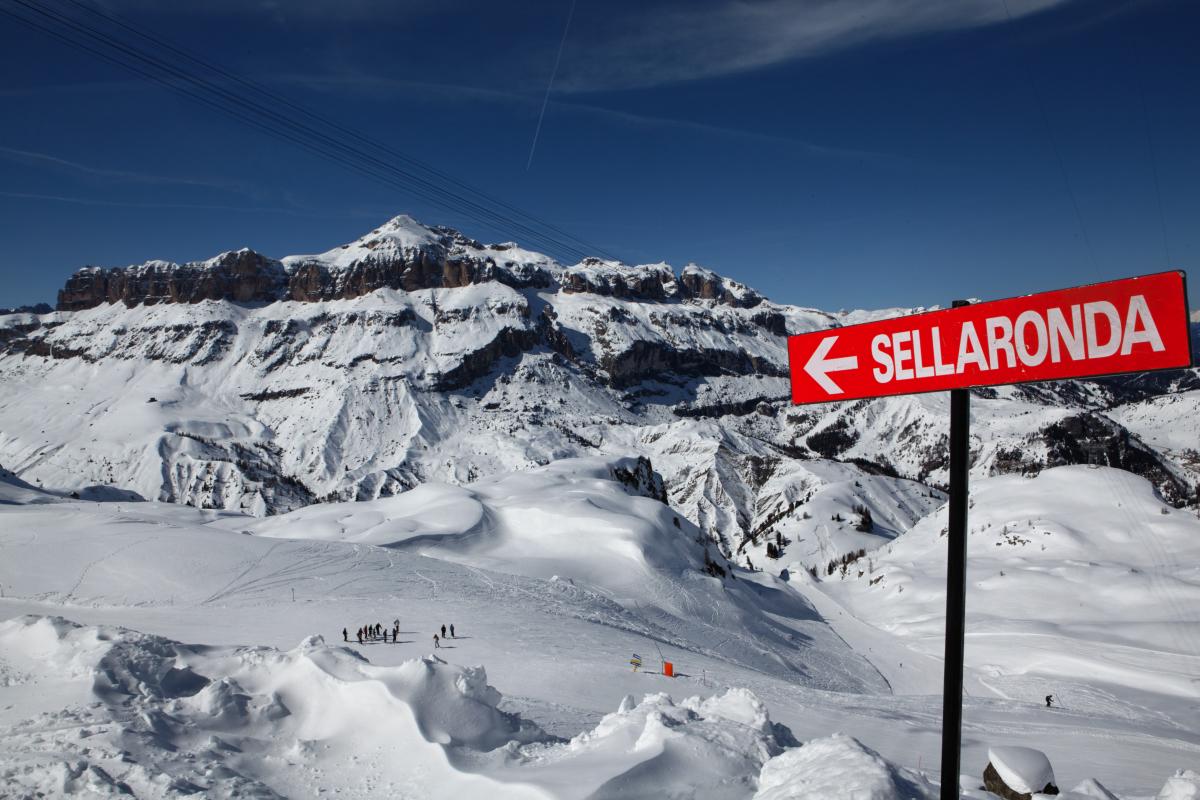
(159, 646)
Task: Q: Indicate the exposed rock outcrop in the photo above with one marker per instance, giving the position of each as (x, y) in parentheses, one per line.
(644, 359)
(655, 282)
(241, 276)
(697, 282)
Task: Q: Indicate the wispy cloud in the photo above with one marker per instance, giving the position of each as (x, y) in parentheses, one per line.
(288, 10)
(89, 201)
(810, 148)
(432, 91)
(691, 40)
(124, 176)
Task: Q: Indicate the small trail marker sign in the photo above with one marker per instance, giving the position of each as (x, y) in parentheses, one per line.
(1130, 325)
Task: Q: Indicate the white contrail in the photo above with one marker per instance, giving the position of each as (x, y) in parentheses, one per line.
(549, 86)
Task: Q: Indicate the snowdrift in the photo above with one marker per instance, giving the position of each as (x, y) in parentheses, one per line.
(121, 711)
(572, 518)
(839, 766)
(166, 718)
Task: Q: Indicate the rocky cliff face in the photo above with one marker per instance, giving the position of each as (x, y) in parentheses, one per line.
(242, 276)
(415, 353)
(401, 255)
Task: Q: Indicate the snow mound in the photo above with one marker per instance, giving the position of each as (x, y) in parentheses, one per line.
(585, 518)
(694, 748)
(1022, 769)
(839, 768)
(1183, 785)
(1089, 789)
(149, 716)
(252, 721)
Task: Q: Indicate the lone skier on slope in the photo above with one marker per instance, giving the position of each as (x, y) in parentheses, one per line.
(1049, 701)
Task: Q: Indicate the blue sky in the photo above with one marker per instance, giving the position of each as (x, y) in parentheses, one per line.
(859, 153)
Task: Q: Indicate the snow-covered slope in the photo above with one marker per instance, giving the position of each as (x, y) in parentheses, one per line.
(1079, 573)
(216, 692)
(415, 354)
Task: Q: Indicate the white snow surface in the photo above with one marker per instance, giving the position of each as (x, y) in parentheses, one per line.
(1076, 572)
(199, 699)
(157, 718)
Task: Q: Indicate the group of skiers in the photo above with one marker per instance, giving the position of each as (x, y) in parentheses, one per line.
(438, 642)
(376, 632)
(373, 633)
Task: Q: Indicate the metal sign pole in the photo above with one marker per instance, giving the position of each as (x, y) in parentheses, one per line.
(956, 589)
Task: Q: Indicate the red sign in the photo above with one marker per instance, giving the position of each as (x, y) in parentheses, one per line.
(1131, 325)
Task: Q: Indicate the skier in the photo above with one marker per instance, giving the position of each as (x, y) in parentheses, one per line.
(452, 636)
(436, 644)
(1049, 701)
(443, 631)
(345, 636)
(395, 634)
(385, 636)
(360, 637)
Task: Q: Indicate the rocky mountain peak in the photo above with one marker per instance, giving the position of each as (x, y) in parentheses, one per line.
(704, 284)
(401, 254)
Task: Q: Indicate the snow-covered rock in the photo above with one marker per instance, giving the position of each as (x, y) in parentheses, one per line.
(1016, 773)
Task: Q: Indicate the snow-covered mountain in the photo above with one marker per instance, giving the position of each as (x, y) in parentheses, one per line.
(415, 354)
(574, 464)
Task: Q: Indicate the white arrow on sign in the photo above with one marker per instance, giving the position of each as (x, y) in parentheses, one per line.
(819, 366)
